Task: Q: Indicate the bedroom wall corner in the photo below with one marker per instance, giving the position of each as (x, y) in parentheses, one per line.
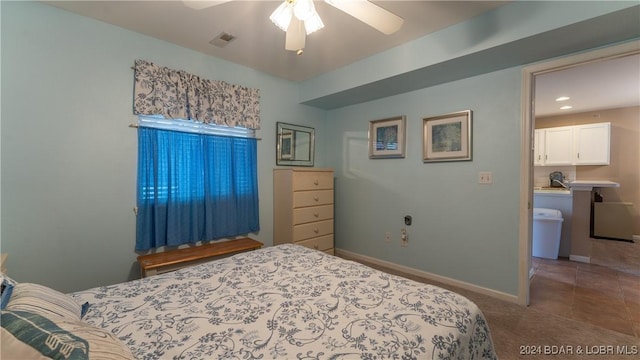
(69, 158)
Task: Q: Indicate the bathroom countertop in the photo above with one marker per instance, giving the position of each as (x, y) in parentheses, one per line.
(588, 185)
(550, 192)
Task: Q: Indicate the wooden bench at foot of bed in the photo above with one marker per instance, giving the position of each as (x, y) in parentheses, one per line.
(171, 260)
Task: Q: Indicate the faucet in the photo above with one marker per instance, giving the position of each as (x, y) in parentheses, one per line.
(561, 183)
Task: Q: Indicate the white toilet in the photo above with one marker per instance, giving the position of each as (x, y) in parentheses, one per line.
(547, 228)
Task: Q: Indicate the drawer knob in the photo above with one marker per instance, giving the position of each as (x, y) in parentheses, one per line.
(316, 182)
(315, 246)
(316, 230)
(316, 199)
(316, 215)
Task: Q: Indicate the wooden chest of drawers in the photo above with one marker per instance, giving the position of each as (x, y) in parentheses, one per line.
(303, 207)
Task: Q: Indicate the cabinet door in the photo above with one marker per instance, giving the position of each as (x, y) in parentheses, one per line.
(592, 143)
(538, 147)
(558, 146)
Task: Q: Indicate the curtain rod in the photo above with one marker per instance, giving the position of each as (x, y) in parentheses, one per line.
(135, 126)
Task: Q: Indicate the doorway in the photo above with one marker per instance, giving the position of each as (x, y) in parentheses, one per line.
(527, 179)
(586, 292)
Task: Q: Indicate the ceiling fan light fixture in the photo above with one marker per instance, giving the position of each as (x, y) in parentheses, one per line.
(313, 24)
(282, 15)
(295, 38)
(304, 9)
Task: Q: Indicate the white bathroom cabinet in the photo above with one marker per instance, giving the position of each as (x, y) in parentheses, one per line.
(558, 146)
(587, 144)
(592, 144)
(538, 147)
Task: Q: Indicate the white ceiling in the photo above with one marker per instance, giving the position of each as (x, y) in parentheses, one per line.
(606, 84)
(259, 44)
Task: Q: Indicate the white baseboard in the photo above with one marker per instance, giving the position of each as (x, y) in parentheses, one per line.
(427, 275)
(636, 238)
(579, 258)
(531, 272)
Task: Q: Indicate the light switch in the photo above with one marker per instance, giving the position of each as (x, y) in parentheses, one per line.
(485, 177)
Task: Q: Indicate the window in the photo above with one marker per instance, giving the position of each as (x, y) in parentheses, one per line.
(194, 186)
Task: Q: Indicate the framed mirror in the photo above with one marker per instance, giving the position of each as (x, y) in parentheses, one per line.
(295, 145)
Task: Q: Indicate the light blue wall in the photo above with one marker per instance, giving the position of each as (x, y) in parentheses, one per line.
(461, 229)
(68, 155)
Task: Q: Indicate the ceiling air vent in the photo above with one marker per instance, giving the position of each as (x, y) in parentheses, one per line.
(222, 40)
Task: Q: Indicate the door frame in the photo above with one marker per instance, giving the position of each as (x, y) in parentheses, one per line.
(526, 152)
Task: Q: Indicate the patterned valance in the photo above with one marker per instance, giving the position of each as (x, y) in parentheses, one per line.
(176, 94)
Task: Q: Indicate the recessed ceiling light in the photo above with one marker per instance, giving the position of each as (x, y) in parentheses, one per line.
(563, 98)
(566, 107)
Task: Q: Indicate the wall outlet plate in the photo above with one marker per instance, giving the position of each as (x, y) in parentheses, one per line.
(404, 237)
(485, 177)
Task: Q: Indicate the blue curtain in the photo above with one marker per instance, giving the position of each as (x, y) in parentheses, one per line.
(194, 187)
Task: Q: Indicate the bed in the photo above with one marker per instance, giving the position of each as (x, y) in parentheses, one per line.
(287, 302)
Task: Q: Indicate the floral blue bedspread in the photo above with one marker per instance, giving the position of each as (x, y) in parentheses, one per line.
(288, 302)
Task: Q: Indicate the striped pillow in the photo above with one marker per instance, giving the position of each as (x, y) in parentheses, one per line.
(45, 301)
(26, 335)
(5, 294)
(6, 289)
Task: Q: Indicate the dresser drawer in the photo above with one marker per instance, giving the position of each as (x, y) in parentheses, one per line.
(312, 198)
(312, 180)
(310, 214)
(311, 230)
(323, 243)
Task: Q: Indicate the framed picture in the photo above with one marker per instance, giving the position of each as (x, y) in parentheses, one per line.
(295, 145)
(387, 138)
(447, 137)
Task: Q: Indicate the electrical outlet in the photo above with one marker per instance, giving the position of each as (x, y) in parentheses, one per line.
(485, 177)
(404, 237)
(387, 237)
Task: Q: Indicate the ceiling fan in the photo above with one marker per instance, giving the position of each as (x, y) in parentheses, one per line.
(299, 18)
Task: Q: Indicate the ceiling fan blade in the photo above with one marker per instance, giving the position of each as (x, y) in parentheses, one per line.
(202, 4)
(369, 13)
(296, 37)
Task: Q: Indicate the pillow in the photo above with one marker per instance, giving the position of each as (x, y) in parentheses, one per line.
(6, 288)
(45, 301)
(5, 294)
(27, 335)
(6, 278)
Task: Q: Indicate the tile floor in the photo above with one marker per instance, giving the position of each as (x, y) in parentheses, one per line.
(588, 293)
